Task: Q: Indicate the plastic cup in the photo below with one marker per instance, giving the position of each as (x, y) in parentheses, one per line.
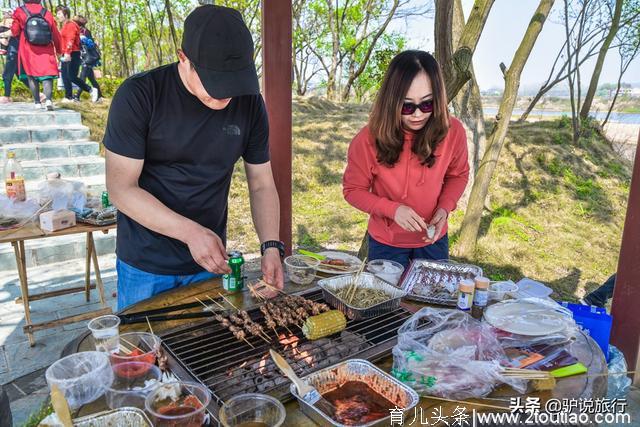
(245, 409)
(178, 404)
(137, 347)
(132, 382)
(301, 269)
(387, 270)
(105, 332)
(499, 291)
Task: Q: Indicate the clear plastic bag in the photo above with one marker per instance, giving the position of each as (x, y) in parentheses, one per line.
(449, 354)
(63, 194)
(537, 313)
(14, 213)
(81, 377)
(618, 382)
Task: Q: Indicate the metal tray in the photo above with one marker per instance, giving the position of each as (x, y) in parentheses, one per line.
(121, 417)
(367, 280)
(424, 275)
(328, 379)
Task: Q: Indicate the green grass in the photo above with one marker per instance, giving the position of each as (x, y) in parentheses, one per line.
(40, 414)
(557, 209)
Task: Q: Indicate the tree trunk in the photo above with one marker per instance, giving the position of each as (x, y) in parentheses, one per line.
(172, 28)
(471, 223)
(595, 77)
(574, 118)
(468, 108)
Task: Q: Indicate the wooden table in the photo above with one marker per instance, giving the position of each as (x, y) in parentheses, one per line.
(32, 232)
(585, 349)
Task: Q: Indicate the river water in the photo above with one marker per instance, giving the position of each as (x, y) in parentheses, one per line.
(627, 118)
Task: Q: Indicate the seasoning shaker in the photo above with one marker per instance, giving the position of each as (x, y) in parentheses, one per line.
(465, 294)
(480, 297)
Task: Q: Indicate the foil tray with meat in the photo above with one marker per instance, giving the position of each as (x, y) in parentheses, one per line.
(357, 409)
(436, 282)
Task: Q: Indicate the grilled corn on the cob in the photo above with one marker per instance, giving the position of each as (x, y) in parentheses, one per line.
(324, 324)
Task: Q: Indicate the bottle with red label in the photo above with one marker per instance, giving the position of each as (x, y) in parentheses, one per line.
(14, 178)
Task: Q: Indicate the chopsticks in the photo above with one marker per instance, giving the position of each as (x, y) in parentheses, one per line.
(351, 292)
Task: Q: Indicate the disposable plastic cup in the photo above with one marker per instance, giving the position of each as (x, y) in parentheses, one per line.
(105, 332)
(252, 409)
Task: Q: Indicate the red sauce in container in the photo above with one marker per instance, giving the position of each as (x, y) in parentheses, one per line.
(357, 403)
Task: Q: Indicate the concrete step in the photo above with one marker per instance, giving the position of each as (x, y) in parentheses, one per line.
(95, 185)
(56, 249)
(70, 167)
(51, 150)
(28, 134)
(30, 117)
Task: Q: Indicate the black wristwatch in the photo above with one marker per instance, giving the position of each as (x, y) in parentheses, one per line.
(272, 244)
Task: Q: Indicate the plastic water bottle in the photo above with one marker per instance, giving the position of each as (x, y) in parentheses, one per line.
(14, 178)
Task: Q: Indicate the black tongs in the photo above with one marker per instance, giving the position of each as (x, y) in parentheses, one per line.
(160, 314)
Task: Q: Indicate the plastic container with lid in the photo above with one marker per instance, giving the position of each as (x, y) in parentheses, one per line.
(465, 294)
(480, 296)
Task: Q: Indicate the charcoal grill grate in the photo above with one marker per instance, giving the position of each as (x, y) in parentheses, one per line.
(208, 353)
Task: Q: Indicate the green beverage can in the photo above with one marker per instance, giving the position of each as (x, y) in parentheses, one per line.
(235, 281)
(105, 199)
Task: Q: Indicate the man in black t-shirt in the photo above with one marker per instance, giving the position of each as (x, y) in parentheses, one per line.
(173, 136)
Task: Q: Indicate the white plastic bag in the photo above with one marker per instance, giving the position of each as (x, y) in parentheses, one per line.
(449, 354)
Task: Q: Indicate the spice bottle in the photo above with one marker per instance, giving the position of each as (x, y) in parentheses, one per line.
(465, 294)
(480, 297)
(14, 178)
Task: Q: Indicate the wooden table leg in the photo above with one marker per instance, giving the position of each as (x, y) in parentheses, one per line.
(21, 262)
(87, 272)
(96, 268)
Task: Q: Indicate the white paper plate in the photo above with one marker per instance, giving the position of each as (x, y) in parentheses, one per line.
(354, 262)
(525, 318)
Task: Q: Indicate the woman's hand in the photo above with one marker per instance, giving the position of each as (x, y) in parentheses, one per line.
(409, 220)
(438, 221)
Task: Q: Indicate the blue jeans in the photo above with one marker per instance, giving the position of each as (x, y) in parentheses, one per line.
(135, 285)
(436, 251)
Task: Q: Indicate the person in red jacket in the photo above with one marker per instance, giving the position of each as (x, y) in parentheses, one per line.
(408, 167)
(37, 61)
(71, 60)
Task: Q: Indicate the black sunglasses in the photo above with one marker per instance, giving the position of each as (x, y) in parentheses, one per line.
(409, 108)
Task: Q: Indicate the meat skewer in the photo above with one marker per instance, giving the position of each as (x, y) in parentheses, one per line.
(245, 322)
(268, 319)
(239, 334)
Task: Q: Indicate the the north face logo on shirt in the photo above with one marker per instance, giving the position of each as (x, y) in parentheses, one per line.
(232, 130)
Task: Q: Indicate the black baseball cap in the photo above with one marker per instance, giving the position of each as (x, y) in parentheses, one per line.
(219, 44)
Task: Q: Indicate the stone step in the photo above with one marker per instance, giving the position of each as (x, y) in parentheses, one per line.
(51, 150)
(13, 118)
(95, 185)
(70, 167)
(56, 249)
(30, 134)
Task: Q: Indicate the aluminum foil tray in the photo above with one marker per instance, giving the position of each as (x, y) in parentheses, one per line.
(367, 280)
(328, 379)
(436, 282)
(121, 417)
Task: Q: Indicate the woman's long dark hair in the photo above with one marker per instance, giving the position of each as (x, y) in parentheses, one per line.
(385, 121)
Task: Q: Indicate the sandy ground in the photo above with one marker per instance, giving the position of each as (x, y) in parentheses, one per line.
(624, 138)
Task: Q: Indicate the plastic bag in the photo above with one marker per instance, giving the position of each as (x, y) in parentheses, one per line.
(63, 194)
(14, 213)
(536, 311)
(618, 385)
(447, 353)
(81, 377)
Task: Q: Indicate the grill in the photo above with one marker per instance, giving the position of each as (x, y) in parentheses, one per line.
(208, 353)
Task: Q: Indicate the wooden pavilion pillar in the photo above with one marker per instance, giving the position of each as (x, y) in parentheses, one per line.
(276, 74)
(625, 310)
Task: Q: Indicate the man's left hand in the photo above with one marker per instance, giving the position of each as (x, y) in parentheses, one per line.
(272, 271)
(439, 220)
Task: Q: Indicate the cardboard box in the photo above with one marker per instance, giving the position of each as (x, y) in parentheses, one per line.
(57, 220)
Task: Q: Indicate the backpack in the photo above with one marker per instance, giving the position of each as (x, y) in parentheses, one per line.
(89, 52)
(37, 30)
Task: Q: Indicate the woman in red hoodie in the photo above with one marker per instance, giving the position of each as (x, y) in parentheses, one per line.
(408, 167)
(71, 60)
(37, 51)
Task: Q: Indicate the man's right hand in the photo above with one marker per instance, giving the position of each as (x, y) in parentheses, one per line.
(207, 250)
(409, 220)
